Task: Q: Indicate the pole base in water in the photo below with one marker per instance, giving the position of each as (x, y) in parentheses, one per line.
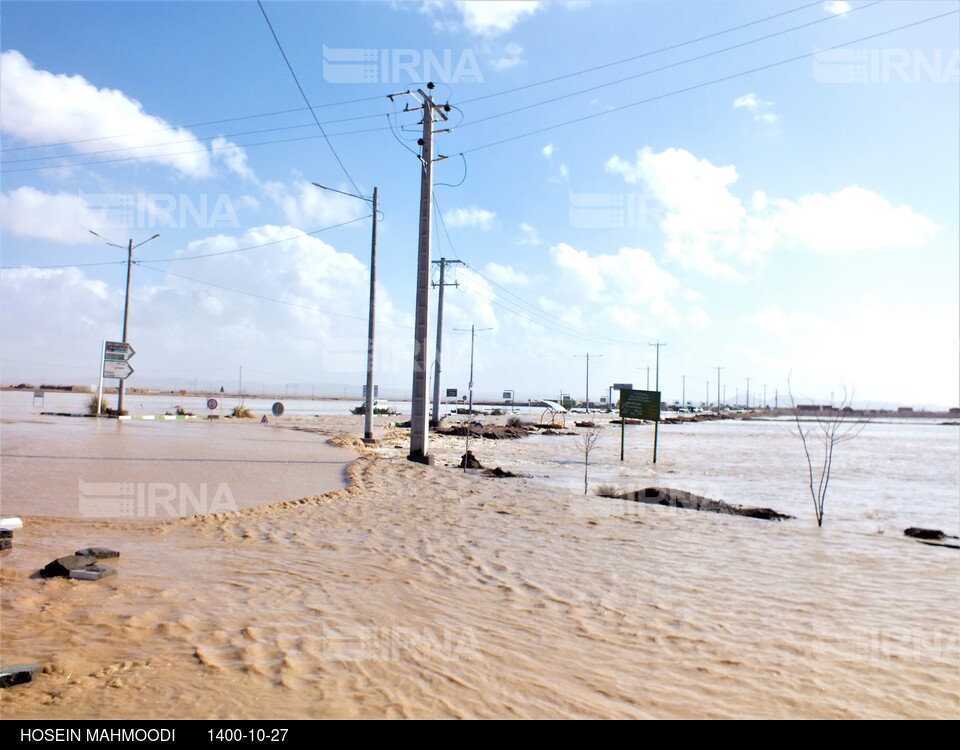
(420, 458)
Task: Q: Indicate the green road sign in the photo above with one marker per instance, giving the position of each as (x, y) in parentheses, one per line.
(640, 405)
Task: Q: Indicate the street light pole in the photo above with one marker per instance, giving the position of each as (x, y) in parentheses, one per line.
(368, 415)
(126, 304)
(473, 333)
(587, 401)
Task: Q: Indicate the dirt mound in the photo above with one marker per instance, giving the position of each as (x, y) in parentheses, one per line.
(682, 499)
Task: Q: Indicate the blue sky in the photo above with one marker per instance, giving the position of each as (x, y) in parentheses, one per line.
(764, 214)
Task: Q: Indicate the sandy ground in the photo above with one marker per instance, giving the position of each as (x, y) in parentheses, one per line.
(425, 592)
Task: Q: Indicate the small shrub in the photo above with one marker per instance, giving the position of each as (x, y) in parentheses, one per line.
(607, 490)
(241, 412)
(513, 422)
(92, 405)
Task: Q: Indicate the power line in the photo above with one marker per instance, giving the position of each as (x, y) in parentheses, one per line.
(582, 334)
(181, 153)
(642, 55)
(189, 140)
(599, 86)
(361, 100)
(174, 128)
(269, 299)
(307, 101)
(202, 255)
(704, 84)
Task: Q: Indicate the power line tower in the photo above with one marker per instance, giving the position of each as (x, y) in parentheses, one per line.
(443, 263)
(418, 417)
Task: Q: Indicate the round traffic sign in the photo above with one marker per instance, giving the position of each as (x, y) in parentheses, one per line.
(211, 403)
(277, 409)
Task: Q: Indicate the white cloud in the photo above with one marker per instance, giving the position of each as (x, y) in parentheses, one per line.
(548, 150)
(507, 57)
(309, 207)
(757, 106)
(59, 217)
(233, 156)
(701, 218)
(40, 107)
(707, 227)
(311, 300)
(470, 217)
(852, 219)
(837, 7)
(531, 236)
(507, 275)
(631, 279)
(564, 171)
(491, 17)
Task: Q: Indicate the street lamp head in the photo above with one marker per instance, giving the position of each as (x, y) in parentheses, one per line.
(334, 190)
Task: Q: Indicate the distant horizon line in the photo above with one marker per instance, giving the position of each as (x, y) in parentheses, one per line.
(340, 392)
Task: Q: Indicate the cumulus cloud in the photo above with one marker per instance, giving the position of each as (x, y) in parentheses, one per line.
(530, 235)
(40, 107)
(757, 106)
(491, 17)
(233, 156)
(470, 217)
(709, 229)
(504, 58)
(629, 279)
(57, 217)
(305, 305)
(507, 275)
(548, 150)
(309, 207)
(837, 7)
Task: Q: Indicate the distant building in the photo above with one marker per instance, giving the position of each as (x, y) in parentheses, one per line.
(955, 411)
(810, 408)
(905, 410)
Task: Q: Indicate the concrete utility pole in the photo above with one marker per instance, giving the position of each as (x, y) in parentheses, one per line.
(683, 397)
(656, 425)
(126, 303)
(658, 344)
(368, 417)
(748, 393)
(418, 417)
(718, 386)
(436, 365)
(473, 333)
(764, 395)
(581, 356)
(706, 403)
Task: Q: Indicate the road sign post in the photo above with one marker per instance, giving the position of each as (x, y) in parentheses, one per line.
(639, 405)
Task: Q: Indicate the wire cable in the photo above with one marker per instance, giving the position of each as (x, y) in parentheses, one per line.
(712, 82)
(307, 101)
(591, 89)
